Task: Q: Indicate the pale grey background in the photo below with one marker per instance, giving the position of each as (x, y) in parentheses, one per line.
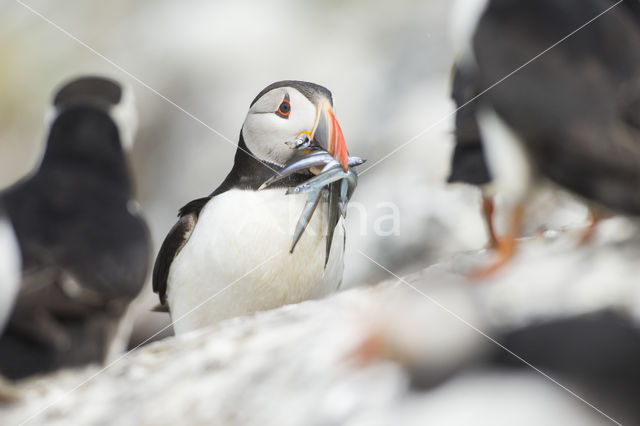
(387, 64)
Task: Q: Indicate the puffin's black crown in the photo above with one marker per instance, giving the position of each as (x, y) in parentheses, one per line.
(93, 90)
(310, 90)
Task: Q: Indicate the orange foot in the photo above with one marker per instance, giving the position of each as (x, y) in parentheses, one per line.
(506, 246)
(488, 208)
(505, 251)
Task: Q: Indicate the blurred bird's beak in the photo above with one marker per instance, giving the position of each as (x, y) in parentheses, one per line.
(327, 134)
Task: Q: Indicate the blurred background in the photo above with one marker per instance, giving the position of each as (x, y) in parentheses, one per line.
(195, 66)
(387, 63)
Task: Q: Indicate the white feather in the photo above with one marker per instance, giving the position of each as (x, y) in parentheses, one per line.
(265, 133)
(506, 157)
(237, 231)
(125, 115)
(465, 15)
(10, 266)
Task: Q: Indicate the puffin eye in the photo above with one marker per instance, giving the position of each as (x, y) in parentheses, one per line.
(285, 107)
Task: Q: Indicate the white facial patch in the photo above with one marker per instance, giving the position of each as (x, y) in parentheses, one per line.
(266, 133)
(125, 115)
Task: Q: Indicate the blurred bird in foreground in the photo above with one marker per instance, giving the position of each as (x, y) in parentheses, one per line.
(571, 116)
(85, 248)
(247, 247)
(596, 355)
(461, 342)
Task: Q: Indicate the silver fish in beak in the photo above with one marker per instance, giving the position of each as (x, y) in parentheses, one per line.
(340, 186)
(324, 154)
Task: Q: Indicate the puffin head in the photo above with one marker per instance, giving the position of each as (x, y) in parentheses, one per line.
(286, 111)
(98, 95)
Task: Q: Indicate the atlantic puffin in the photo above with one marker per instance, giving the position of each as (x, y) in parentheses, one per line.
(85, 247)
(230, 253)
(563, 105)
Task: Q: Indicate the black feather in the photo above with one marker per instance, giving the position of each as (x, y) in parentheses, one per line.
(468, 164)
(173, 243)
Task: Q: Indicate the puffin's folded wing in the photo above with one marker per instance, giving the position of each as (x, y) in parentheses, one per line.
(173, 243)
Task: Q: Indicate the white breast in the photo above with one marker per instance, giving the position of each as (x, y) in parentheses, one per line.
(9, 271)
(506, 157)
(238, 259)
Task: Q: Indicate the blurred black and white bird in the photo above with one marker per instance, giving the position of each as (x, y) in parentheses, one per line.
(9, 267)
(595, 355)
(233, 249)
(468, 163)
(85, 248)
(571, 116)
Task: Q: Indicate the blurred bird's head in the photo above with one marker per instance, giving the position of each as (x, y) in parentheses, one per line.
(287, 111)
(87, 108)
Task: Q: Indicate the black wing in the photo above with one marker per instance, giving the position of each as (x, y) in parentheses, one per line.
(80, 225)
(173, 243)
(575, 107)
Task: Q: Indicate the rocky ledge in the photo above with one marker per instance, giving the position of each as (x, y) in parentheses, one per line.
(405, 351)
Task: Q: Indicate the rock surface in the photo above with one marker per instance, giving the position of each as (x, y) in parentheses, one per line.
(313, 364)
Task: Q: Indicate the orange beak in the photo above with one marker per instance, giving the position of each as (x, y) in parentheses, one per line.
(328, 135)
